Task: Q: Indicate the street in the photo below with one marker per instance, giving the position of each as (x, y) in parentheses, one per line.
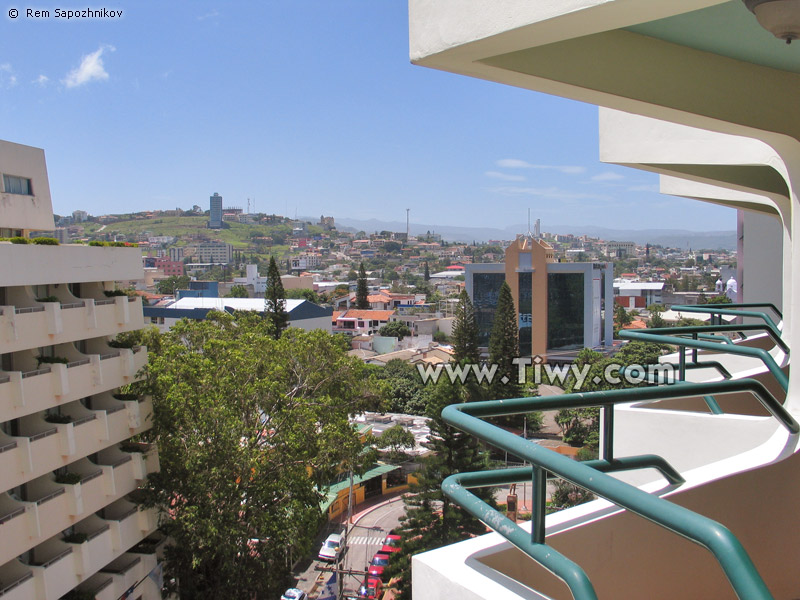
(365, 537)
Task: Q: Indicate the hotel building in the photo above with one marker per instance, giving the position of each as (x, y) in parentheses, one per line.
(68, 520)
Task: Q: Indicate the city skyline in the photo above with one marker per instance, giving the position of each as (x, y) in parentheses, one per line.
(308, 109)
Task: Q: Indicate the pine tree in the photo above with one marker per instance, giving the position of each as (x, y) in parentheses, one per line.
(362, 302)
(275, 300)
(432, 520)
(427, 272)
(504, 347)
(465, 331)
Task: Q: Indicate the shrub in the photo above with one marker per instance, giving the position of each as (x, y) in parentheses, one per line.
(121, 344)
(75, 538)
(19, 240)
(96, 243)
(130, 447)
(126, 396)
(48, 299)
(116, 292)
(52, 360)
(46, 241)
(68, 478)
(58, 418)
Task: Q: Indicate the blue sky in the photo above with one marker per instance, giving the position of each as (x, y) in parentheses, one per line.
(308, 108)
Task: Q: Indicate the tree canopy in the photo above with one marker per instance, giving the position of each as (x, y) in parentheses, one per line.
(397, 329)
(504, 347)
(248, 427)
(465, 331)
(432, 520)
(275, 300)
(362, 301)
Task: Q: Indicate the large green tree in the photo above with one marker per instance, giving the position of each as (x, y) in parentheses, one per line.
(275, 300)
(248, 428)
(172, 283)
(504, 347)
(465, 331)
(362, 301)
(432, 520)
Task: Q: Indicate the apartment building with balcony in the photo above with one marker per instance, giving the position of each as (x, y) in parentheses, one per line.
(68, 475)
(703, 92)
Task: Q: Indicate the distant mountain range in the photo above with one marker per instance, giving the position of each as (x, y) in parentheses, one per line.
(675, 238)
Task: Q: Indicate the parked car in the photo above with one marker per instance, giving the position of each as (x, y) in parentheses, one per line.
(331, 547)
(371, 589)
(391, 544)
(378, 564)
(294, 594)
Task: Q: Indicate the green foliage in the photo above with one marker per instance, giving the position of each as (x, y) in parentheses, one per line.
(237, 291)
(304, 294)
(172, 283)
(50, 360)
(68, 479)
(58, 418)
(566, 495)
(721, 299)
(432, 520)
(427, 273)
(114, 292)
(19, 240)
(45, 241)
(656, 321)
(400, 386)
(247, 426)
(397, 329)
(504, 347)
(465, 331)
(362, 301)
(621, 318)
(441, 337)
(396, 439)
(274, 301)
(48, 299)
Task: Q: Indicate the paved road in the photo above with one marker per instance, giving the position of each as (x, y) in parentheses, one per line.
(365, 537)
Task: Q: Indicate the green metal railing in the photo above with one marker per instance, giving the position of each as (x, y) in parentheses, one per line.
(673, 336)
(717, 310)
(592, 475)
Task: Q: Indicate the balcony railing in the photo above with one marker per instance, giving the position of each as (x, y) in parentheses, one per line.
(55, 559)
(591, 475)
(43, 434)
(101, 531)
(50, 496)
(73, 305)
(83, 420)
(122, 569)
(8, 446)
(78, 363)
(12, 514)
(35, 372)
(28, 309)
(90, 476)
(15, 584)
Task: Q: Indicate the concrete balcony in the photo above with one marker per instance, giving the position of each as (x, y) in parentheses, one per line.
(53, 568)
(126, 571)
(129, 523)
(16, 581)
(48, 323)
(68, 263)
(51, 385)
(45, 447)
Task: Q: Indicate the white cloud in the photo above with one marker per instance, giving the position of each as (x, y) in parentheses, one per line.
(90, 69)
(608, 176)
(549, 192)
(7, 77)
(504, 176)
(208, 15)
(515, 163)
(41, 80)
(643, 188)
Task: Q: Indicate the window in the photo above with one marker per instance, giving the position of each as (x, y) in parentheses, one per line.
(17, 185)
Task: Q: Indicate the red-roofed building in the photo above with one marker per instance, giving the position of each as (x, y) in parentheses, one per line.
(360, 322)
